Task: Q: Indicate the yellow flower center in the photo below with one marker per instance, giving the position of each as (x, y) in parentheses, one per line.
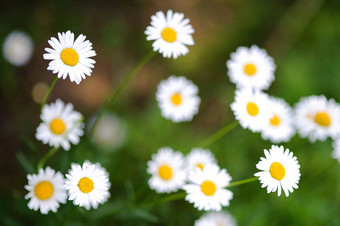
(43, 190)
(323, 119)
(57, 126)
(165, 172)
(69, 56)
(252, 109)
(208, 188)
(176, 99)
(85, 185)
(169, 34)
(249, 69)
(275, 120)
(277, 171)
(200, 165)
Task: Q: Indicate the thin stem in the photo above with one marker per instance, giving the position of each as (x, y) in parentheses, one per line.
(128, 77)
(48, 92)
(49, 154)
(218, 135)
(236, 183)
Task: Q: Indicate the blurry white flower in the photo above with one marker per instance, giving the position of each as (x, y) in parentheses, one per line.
(199, 157)
(222, 218)
(18, 48)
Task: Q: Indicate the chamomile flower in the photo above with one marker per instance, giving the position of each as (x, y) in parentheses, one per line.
(279, 126)
(317, 118)
(336, 149)
(88, 185)
(60, 125)
(222, 218)
(206, 188)
(251, 68)
(251, 109)
(171, 33)
(279, 169)
(199, 157)
(45, 190)
(70, 57)
(17, 48)
(167, 170)
(177, 98)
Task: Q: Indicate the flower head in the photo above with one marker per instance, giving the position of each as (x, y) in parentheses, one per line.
(222, 218)
(336, 149)
(60, 125)
(171, 33)
(45, 190)
(177, 98)
(251, 68)
(317, 118)
(167, 170)
(278, 127)
(251, 109)
(279, 169)
(18, 48)
(206, 188)
(88, 185)
(70, 57)
(199, 157)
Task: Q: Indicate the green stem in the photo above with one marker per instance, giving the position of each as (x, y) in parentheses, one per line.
(218, 135)
(48, 93)
(236, 183)
(49, 154)
(128, 77)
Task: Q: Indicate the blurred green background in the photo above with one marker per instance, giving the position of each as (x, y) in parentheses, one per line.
(303, 36)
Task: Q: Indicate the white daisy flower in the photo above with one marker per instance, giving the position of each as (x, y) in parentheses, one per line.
(171, 33)
(280, 169)
(199, 157)
(251, 68)
(70, 57)
(317, 118)
(60, 125)
(206, 188)
(222, 218)
(109, 132)
(17, 48)
(177, 98)
(88, 185)
(45, 190)
(251, 109)
(167, 170)
(336, 149)
(279, 126)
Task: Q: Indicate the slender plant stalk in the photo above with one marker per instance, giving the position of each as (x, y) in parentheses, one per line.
(236, 183)
(48, 93)
(49, 154)
(218, 135)
(128, 78)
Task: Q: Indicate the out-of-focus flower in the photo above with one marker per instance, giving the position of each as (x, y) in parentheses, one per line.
(279, 126)
(18, 48)
(177, 98)
(336, 149)
(109, 132)
(207, 188)
(317, 118)
(38, 92)
(251, 68)
(171, 33)
(70, 58)
(199, 157)
(167, 170)
(88, 185)
(223, 218)
(251, 109)
(46, 190)
(60, 125)
(279, 169)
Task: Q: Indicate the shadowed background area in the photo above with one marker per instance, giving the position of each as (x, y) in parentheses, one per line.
(303, 38)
